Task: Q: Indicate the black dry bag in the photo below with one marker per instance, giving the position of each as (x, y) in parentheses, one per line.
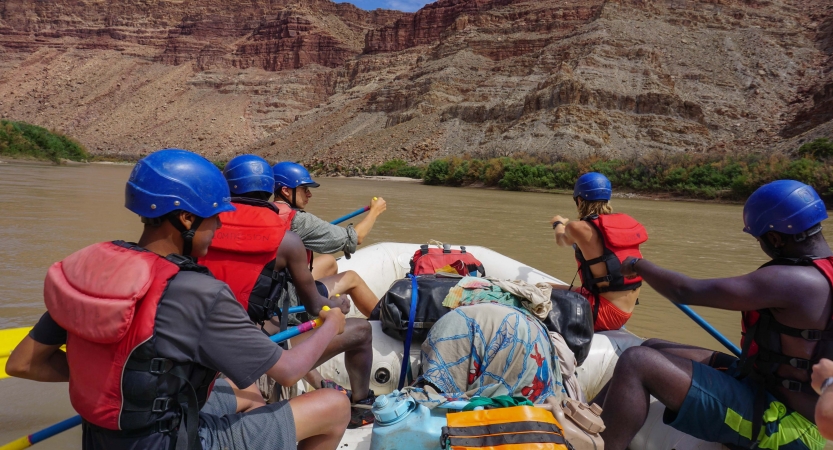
(572, 318)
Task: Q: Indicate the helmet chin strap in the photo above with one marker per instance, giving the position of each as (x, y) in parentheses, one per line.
(279, 193)
(187, 234)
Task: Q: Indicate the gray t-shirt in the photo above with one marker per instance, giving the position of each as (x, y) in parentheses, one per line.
(199, 320)
(323, 237)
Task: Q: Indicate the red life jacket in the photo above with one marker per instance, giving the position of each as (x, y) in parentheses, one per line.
(621, 236)
(106, 296)
(761, 341)
(427, 260)
(284, 208)
(243, 251)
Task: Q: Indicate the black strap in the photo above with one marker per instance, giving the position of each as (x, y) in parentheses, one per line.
(596, 306)
(188, 439)
(187, 234)
(405, 370)
(758, 413)
(256, 202)
(500, 428)
(507, 439)
(769, 356)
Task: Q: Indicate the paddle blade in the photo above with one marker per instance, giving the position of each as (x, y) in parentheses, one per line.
(9, 339)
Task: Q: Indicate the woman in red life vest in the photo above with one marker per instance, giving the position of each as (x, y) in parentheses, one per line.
(147, 331)
(602, 240)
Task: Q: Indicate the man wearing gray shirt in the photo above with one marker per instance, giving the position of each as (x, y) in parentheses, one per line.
(292, 190)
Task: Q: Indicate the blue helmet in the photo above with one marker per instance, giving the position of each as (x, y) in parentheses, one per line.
(292, 175)
(249, 173)
(592, 186)
(785, 206)
(173, 179)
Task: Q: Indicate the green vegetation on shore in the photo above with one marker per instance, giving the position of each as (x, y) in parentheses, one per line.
(691, 175)
(19, 139)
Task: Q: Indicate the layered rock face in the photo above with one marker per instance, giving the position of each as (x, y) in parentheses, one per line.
(324, 82)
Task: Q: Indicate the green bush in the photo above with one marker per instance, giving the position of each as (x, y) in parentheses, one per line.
(702, 176)
(820, 148)
(23, 139)
(437, 172)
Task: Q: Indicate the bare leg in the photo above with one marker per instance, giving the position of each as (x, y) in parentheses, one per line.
(640, 373)
(357, 345)
(324, 266)
(699, 354)
(321, 417)
(248, 398)
(314, 378)
(351, 283)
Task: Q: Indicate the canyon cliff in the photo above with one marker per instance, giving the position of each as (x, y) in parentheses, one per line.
(319, 82)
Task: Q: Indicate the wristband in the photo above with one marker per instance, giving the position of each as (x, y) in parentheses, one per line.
(633, 264)
(557, 223)
(826, 384)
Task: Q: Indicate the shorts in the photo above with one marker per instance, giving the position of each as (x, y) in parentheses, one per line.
(719, 408)
(610, 317)
(268, 427)
(297, 319)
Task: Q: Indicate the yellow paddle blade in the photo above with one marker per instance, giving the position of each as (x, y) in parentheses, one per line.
(8, 341)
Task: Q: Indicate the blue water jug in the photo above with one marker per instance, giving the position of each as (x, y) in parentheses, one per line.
(402, 423)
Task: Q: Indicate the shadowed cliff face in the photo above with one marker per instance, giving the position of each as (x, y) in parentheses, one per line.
(322, 82)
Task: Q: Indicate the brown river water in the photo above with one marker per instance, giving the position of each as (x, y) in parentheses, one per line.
(49, 211)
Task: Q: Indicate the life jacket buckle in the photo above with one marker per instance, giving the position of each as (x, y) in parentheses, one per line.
(799, 363)
(792, 385)
(811, 335)
(159, 366)
(166, 425)
(161, 404)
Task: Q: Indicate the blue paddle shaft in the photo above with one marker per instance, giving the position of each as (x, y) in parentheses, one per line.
(351, 215)
(50, 431)
(709, 329)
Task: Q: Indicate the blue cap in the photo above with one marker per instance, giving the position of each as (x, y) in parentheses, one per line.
(785, 206)
(249, 173)
(592, 186)
(174, 179)
(292, 175)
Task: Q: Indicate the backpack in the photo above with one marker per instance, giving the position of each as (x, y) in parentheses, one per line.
(427, 260)
(572, 318)
(393, 309)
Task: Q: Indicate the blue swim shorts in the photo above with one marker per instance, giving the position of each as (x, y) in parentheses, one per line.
(719, 408)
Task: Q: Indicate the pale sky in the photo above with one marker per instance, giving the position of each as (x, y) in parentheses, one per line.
(401, 5)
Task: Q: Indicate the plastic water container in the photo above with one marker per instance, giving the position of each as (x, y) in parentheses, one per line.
(401, 423)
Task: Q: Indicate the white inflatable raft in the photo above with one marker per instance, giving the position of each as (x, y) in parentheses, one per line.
(382, 264)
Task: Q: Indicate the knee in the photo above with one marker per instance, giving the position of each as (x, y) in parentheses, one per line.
(633, 360)
(654, 343)
(340, 405)
(361, 333)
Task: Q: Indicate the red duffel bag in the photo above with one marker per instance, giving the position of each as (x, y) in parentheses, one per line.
(427, 260)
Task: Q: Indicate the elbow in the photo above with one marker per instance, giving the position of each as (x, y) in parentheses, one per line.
(15, 367)
(288, 379)
(681, 294)
(359, 239)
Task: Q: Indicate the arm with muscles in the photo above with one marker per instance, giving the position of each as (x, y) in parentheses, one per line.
(768, 287)
(297, 361)
(292, 255)
(377, 207)
(822, 380)
(568, 233)
(40, 358)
